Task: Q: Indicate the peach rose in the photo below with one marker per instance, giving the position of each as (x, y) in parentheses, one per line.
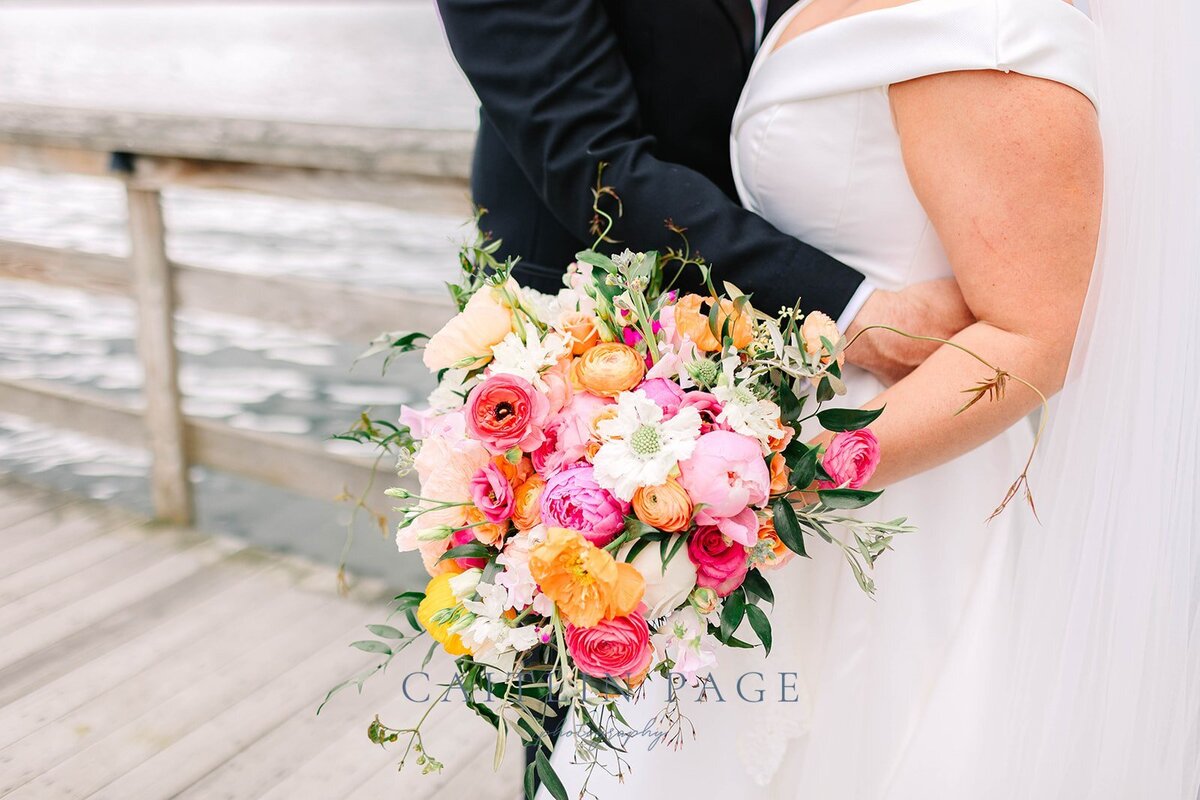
(528, 512)
(779, 475)
(472, 334)
(666, 507)
(581, 329)
(770, 552)
(815, 326)
(609, 369)
(691, 320)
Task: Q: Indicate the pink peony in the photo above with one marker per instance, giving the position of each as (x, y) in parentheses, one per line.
(721, 564)
(709, 407)
(568, 434)
(665, 393)
(492, 493)
(572, 499)
(505, 412)
(725, 476)
(850, 459)
(612, 648)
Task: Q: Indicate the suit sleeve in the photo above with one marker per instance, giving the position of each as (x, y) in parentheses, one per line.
(552, 80)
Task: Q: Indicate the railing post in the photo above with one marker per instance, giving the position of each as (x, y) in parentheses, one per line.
(155, 300)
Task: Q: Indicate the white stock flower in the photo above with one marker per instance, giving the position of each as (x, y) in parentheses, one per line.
(682, 637)
(639, 447)
(490, 628)
(528, 359)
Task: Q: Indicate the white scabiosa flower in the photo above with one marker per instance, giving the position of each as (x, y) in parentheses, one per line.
(749, 415)
(528, 359)
(639, 448)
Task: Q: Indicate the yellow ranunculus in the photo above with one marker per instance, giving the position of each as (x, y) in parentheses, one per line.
(438, 596)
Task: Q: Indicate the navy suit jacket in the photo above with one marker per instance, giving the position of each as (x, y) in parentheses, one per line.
(649, 87)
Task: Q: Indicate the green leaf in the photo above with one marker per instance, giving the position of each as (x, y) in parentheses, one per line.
(788, 527)
(825, 390)
(847, 498)
(790, 406)
(847, 419)
(372, 646)
(433, 648)
(803, 465)
(409, 600)
(549, 778)
(678, 543)
(597, 260)
(385, 631)
(530, 782)
(761, 625)
(756, 584)
(732, 612)
(468, 550)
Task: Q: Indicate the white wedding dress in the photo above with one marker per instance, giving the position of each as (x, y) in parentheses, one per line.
(883, 699)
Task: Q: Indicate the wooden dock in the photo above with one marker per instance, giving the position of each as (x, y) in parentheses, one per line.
(140, 661)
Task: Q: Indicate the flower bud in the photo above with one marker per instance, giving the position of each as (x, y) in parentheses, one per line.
(705, 600)
(435, 534)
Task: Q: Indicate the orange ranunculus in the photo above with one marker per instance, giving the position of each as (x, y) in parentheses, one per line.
(515, 473)
(586, 583)
(770, 552)
(815, 327)
(779, 475)
(609, 369)
(489, 532)
(691, 320)
(528, 512)
(581, 328)
(439, 596)
(666, 506)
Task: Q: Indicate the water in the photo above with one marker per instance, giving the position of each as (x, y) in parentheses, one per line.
(349, 62)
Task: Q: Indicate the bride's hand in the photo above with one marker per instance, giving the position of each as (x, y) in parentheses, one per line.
(933, 308)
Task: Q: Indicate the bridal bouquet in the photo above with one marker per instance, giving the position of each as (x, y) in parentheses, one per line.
(607, 479)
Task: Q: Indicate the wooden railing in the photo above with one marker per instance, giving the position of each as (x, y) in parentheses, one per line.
(407, 169)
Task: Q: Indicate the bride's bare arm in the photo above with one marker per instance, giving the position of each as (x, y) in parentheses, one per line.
(1008, 168)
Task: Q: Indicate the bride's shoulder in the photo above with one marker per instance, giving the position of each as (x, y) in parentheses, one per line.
(824, 46)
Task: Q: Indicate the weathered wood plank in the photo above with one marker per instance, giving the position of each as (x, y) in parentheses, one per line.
(37, 577)
(101, 605)
(90, 770)
(165, 676)
(443, 154)
(289, 462)
(30, 608)
(209, 745)
(16, 505)
(44, 536)
(154, 296)
(342, 312)
(186, 645)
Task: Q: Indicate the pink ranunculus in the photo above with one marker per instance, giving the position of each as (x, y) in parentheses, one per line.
(492, 493)
(572, 499)
(505, 411)
(850, 459)
(568, 434)
(721, 563)
(466, 536)
(665, 393)
(612, 648)
(709, 407)
(725, 476)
